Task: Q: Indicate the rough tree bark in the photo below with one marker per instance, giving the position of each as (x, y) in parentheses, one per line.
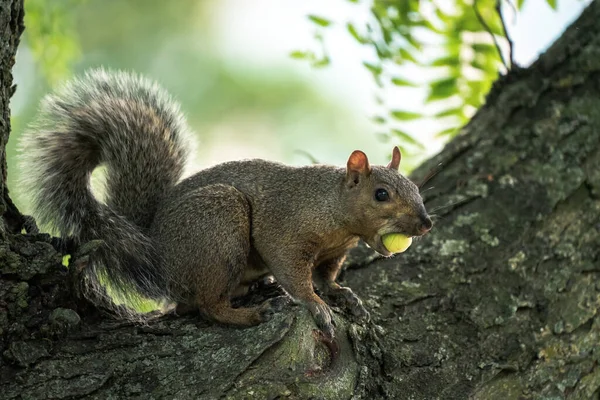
(500, 301)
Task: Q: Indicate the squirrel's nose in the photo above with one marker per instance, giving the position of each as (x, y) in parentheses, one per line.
(426, 224)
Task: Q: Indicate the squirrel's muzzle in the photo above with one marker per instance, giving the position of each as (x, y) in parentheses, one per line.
(426, 224)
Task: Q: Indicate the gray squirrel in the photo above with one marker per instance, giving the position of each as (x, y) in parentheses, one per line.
(199, 241)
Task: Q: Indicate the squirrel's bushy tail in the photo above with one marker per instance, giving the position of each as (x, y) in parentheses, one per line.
(132, 127)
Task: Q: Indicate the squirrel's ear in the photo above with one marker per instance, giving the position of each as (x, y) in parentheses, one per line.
(357, 166)
(396, 157)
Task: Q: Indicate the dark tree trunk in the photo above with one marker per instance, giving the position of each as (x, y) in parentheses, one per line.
(11, 21)
(500, 301)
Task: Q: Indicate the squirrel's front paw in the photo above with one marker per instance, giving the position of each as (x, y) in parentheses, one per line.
(351, 302)
(322, 315)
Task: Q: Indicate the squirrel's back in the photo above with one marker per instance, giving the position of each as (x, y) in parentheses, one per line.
(132, 127)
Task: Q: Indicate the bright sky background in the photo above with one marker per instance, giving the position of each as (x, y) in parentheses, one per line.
(262, 33)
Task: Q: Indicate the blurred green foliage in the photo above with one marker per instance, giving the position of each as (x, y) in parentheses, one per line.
(464, 34)
(242, 104)
(165, 40)
(51, 36)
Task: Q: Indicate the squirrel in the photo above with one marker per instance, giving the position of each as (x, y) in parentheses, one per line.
(202, 239)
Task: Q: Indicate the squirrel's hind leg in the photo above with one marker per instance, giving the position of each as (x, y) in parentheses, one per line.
(224, 313)
(204, 237)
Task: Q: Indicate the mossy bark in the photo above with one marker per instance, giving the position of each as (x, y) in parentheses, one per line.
(499, 301)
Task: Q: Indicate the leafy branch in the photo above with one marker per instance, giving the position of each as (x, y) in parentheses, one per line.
(467, 36)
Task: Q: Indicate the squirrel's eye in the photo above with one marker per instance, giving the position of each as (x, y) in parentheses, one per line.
(382, 195)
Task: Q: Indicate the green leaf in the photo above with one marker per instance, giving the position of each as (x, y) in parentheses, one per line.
(485, 48)
(478, 90)
(520, 4)
(378, 119)
(430, 27)
(477, 64)
(323, 62)
(319, 20)
(375, 69)
(413, 41)
(387, 36)
(487, 63)
(453, 46)
(442, 89)
(407, 138)
(406, 55)
(382, 49)
(470, 22)
(442, 16)
(402, 82)
(445, 61)
(451, 112)
(405, 115)
(552, 4)
(448, 132)
(355, 33)
(300, 55)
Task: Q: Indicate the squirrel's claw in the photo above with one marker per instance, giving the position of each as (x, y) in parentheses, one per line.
(346, 298)
(354, 304)
(322, 315)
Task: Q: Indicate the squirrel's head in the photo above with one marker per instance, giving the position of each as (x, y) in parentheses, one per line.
(382, 201)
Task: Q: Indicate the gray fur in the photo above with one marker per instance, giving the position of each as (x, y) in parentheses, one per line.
(133, 127)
